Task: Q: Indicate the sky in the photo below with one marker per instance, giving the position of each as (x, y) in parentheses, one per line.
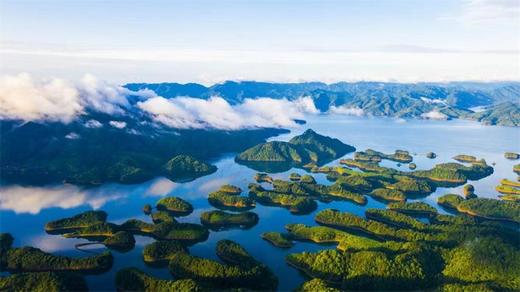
(282, 41)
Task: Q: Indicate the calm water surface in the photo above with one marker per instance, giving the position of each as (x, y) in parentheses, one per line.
(25, 210)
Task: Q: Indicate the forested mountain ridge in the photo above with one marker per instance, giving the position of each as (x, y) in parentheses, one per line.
(403, 100)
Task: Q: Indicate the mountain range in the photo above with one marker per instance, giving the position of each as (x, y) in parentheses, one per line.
(499, 100)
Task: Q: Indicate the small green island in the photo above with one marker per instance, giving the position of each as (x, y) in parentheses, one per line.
(228, 198)
(295, 204)
(175, 205)
(483, 207)
(30, 259)
(239, 270)
(133, 279)
(278, 239)
(512, 155)
(218, 220)
(161, 252)
(305, 150)
(43, 281)
(465, 158)
(370, 155)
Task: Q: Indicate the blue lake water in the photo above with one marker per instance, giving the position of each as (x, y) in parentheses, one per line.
(25, 210)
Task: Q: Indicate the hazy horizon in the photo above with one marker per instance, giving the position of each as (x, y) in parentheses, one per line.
(276, 41)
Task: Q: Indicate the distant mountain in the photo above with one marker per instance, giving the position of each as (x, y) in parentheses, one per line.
(97, 148)
(504, 114)
(406, 100)
(307, 149)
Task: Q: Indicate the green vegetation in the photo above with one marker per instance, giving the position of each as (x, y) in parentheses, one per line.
(485, 259)
(413, 208)
(339, 191)
(512, 155)
(228, 197)
(516, 169)
(261, 177)
(412, 166)
(147, 209)
(483, 207)
(6, 241)
(162, 251)
(370, 270)
(412, 186)
(240, 270)
(121, 240)
(294, 176)
(469, 191)
(43, 282)
(217, 219)
(370, 155)
(177, 206)
(394, 218)
(185, 232)
(81, 220)
(305, 149)
(307, 179)
(508, 187)
(315, 285)
(278, 239)
(30, 259)
(132, 279)
(388, 195)
(455, 172)
(186, 167)
(502, 114)
(465, 158)
(163, 216)
(295, 204)
(420, 256)
(431, 155)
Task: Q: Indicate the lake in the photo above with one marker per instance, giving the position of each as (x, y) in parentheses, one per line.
(25, 210)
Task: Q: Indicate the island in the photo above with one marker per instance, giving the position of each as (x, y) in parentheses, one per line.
(175, 205)
(161, 252)
(413, 208)
(431, 155)
(465, 158)
(185, 167)
(512, 155)
(295, 204)
(377, 252)
(228, 198)
(239, 271)
(43, 281)
(278, 239)
(132, 279)
(218, 220)
(305, 150)
(31, 259)
(483, 207)
(262, 177)
(295, 176)
(370, 155)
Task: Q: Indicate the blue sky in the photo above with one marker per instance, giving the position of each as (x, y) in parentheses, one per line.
(211, 41)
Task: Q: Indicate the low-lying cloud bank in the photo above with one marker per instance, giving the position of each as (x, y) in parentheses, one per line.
(25, 98)
(217, 113)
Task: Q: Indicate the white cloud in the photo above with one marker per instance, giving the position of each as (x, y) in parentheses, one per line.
(433, 100)
(117, 124)
(72, 136)
(23, 97)
(434, 115)
(93, 124)
(185, 112)
(33, 199)
(346, 110)
(485, 11)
